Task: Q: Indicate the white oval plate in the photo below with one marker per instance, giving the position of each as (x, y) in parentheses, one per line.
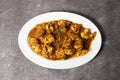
(59, 64)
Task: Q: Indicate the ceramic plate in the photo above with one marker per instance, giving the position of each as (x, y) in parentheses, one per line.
(59, 64)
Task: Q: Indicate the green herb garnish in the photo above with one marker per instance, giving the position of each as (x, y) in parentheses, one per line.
(58, 32)
(66, 57)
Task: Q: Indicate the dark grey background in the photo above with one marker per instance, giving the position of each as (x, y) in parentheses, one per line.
(15, 13)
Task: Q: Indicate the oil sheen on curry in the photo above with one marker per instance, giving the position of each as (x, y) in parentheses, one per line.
(60, 39)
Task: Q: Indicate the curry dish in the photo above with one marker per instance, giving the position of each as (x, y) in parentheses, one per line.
(60, 39)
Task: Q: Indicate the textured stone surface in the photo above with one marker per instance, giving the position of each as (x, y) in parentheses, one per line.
(104, 13)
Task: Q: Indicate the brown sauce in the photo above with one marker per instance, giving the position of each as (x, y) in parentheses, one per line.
(60, 39)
